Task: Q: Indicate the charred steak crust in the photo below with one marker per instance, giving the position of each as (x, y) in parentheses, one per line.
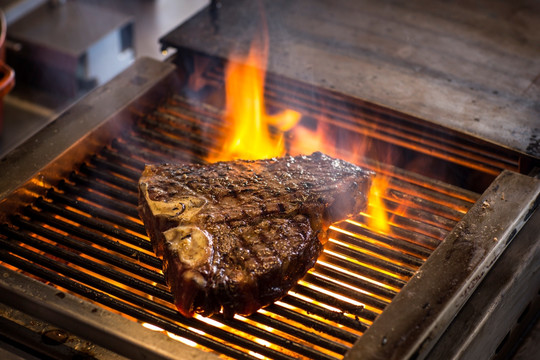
(236, 236)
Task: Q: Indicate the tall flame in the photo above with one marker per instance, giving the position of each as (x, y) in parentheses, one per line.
(253, 134)
(249, 136)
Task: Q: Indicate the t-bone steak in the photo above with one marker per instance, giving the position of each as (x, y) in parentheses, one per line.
(236, 236)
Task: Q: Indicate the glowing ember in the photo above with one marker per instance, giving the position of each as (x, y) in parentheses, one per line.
(152, 327)
(249, 136)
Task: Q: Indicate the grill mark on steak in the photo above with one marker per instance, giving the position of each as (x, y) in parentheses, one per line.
(236, 236)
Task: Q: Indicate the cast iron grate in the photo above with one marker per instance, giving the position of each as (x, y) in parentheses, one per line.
(85, 237)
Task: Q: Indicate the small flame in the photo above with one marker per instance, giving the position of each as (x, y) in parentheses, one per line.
(249, 136)
(308, 141)
(378, 218)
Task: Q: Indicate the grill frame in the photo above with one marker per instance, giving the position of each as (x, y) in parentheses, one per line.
(452, 273)
(95, 132)
(100, 325)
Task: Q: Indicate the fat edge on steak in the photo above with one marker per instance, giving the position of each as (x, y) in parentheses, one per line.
(236, 236)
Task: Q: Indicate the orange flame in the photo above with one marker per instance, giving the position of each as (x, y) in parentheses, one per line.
(249, 136)
(254, 134)
(308, 141)
(378, 218)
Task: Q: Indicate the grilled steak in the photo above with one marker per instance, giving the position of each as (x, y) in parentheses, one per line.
(236, 236)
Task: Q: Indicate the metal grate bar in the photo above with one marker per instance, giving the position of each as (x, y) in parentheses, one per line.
(297, 347)
(111, 302)
(99, 226)
(176, 143)
(371, 240)
(164, 124)
(118, 157)
(88, 249)
(322, 298)
(115, 193)
(369, 260)
(128, 173)
(324, 312)
(92, 236)
(414, 237)
(329, 285)
(420, 215)
(311, 323)
(395, 256)
(153, 149)
(193, 111)
(422, 201)
(89, 194)
(309, 336)
(355, 281)
(109, 178)
(368, 272)
(77, 259)
(104, 214)
(137, 149)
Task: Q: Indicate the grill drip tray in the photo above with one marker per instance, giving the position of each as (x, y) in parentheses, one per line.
(74, 226)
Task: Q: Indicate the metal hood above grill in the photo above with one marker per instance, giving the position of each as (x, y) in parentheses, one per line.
(472, 67)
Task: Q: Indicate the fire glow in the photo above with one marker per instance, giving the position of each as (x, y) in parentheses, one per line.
(253, 134)
(249, 136)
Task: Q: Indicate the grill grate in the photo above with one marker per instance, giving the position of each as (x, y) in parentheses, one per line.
(85, 237)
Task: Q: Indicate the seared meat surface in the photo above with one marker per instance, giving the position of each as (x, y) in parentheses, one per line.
(236, 236)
